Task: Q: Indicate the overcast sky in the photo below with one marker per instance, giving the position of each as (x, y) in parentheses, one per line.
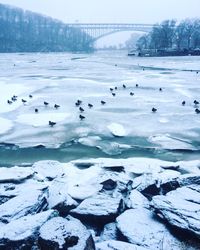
(134, 11)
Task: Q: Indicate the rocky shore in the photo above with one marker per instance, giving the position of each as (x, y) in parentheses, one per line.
(103, 204)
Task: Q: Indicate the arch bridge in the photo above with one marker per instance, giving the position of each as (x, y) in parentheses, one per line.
(98, 30)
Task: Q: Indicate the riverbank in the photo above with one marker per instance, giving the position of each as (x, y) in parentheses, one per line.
(103, 204)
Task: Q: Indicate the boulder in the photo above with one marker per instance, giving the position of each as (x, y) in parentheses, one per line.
(137, 200)
(69, 233)
(138, 226)
(181, 208)
(48, 170)
(15, 174)
(117, 245)
(27, 203)
(23, 232)
(109, 184)
(59, 199)
(99, 209)
(109, 232)
(157, 183)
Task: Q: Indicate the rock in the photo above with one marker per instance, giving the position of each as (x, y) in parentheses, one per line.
(69, 233)
(83, 183)
(27, 203)
(24, 231)
(59, 199)
(138, 226)
(99, 209)
(48, 170)
(118, 245)
(109, 232)
(181, 208)
(10, 190)
(15, 174)
(109, 184)
(137, 200)
(157, 183)
(189, 179)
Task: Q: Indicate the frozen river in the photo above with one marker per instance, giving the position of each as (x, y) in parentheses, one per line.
(124, 127)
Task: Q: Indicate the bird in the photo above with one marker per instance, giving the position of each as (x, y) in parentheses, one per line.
(124, 86)
(136, 85)
(81, 117)
(111, 89)
(46, 103)
(52, 123)
(36, 110)
(115, 88)
(197, 72)
(196, 102)
(160, 89)
(30, 96)
(103, 102)
(81, 109)
(14, 98)
(78, 102)
(183, 103)
(9, 102)
(113, 94)
(56, 106)
(90, 105)
(197, 111)
(154, 110)
(24, 101)
(131, 93)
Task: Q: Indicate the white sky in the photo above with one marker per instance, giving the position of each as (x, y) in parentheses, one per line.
(134, 11)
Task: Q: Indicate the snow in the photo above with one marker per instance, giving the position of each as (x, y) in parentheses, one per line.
(117, 129)
(5, 125)
(38, 120)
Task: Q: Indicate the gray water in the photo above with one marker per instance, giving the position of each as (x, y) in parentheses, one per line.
(172, 133)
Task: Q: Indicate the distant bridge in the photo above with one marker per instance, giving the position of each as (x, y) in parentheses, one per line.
(98, 30)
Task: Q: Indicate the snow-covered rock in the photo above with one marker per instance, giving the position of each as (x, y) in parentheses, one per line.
(23, 231)
(69, 233)
(15, 174)
(139, 227)
(117, 245)
(48, 170)
(181, 208)
(117, 129)
(30, 202)
(58, 197)
(137, 200)
(101, 208)
(109, 232)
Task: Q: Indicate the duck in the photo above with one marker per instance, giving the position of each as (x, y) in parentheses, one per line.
(81, 109)
(90, 105)
(103, 102)
(131, 93)
(52, 123)
(154, 110)
(9, 102)
(196, 102)
(24, 101)
(124, 86)
(136, 85)
(197, 111)
(111, 89)
(81, 117)
(36, 110)
(183, 103)
(46, 103)
(113, 94)
(160, 89)
(56, 106)
(30, 96)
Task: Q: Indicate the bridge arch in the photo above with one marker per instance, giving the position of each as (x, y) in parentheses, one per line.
(99, 30)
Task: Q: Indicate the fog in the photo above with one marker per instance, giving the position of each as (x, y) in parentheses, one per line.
(134, 11)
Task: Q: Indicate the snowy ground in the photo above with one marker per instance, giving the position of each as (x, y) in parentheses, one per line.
(123, 123)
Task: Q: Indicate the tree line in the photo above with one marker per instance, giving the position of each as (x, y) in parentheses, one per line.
(170, 35)
(25, 31)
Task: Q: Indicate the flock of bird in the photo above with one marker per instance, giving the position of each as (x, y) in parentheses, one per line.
(79, 103)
